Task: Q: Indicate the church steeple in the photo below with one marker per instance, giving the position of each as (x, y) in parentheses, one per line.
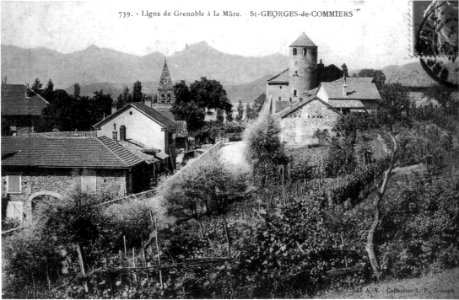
(165, 88)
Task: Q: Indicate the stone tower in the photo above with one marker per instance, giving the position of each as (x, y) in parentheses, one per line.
(303, 66)
(165, 88)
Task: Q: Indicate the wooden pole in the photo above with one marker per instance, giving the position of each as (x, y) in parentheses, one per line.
(159, 253)
(81, 262)
(133, 264)
(125, 249)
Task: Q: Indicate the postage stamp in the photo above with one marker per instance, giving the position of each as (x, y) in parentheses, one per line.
(435, 39)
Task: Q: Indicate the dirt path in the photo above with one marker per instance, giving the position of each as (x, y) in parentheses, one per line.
(232, 156)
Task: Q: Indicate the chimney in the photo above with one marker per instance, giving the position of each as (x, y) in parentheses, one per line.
(344, 89)
(114, 133)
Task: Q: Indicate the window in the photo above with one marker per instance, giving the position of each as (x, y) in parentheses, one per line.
(296, 73)
(123, 133)
(294, 93)
(294, 51)
(13, 184)
(168, 97)
(115, 135)
(304, 51)
(280, 87)
(280, 98)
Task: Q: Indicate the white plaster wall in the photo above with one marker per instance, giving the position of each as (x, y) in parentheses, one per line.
(138, 127)
(322, 94)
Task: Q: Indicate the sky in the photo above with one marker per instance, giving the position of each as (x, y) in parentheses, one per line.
(378, 33)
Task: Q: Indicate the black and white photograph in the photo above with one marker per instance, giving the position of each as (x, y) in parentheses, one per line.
(230, 149)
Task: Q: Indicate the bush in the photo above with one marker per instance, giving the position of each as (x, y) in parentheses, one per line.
(264, 149)
(206, 188)
(420, 230)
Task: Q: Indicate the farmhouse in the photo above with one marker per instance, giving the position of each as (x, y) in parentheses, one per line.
(33, 167)
(308, 96)
(21, 108)
(143, 125)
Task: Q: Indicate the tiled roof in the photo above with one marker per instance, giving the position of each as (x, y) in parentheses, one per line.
(139, 149)
(358, 88)
(298, 105)
(346, 103)
(99, 152)
(281, 77)
(15, 102)
(303, 41)
(148, 111)
(166, 111)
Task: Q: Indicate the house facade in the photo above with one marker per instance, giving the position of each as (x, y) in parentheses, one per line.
(145, 125)
(305, 103)
(300, 122)
(37, 167)
(21, 108)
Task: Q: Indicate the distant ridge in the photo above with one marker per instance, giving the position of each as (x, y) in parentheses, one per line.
(94, 65)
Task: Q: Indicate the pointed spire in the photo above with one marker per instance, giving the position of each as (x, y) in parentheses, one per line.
(165, 80)
(303, 41)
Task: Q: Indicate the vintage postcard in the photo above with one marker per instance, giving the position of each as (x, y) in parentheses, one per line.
(230, 149)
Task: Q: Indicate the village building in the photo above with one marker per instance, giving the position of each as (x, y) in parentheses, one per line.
(142, 125)
(308, 97)
(34, 167)
(21, 108)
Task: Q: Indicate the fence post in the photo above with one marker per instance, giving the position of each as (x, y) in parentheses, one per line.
(80, 260)
(157, 248)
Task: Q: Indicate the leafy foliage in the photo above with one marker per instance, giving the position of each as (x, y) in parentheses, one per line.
(191, 102)
(420, 232)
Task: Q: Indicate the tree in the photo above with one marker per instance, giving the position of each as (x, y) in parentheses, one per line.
(250, 112)
(395, 105)
(185, 107)
(192, 102)
(48, 92)
(36, 86)
(210, 94)
(378, 76)
(137, 94)
(123, 98)
(76, 91)
(240, 111)
(258, 103)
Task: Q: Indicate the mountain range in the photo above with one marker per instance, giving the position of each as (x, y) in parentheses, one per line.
(97, 68)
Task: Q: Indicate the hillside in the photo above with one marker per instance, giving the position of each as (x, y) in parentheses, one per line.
(94, 65)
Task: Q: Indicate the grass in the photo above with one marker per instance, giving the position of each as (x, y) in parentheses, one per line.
(444, 285)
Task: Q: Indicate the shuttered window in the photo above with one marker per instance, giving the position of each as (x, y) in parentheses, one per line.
(14, 184)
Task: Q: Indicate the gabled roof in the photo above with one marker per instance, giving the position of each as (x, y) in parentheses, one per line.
(281, 77)
(303, 41)
(16, 103)
(358, 88)
(97, 153)
(299, 105)
(147, 111)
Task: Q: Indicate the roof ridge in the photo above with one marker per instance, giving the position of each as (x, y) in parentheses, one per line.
(99, 138)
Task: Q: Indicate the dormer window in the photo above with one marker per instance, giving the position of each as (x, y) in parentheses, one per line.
(294, 51)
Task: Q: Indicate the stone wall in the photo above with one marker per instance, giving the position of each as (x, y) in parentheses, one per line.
(278, 90)
(298, 127)
(63, 182)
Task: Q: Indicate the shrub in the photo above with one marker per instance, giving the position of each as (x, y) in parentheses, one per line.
(206, 188)
(264, 148)
(420, 230)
